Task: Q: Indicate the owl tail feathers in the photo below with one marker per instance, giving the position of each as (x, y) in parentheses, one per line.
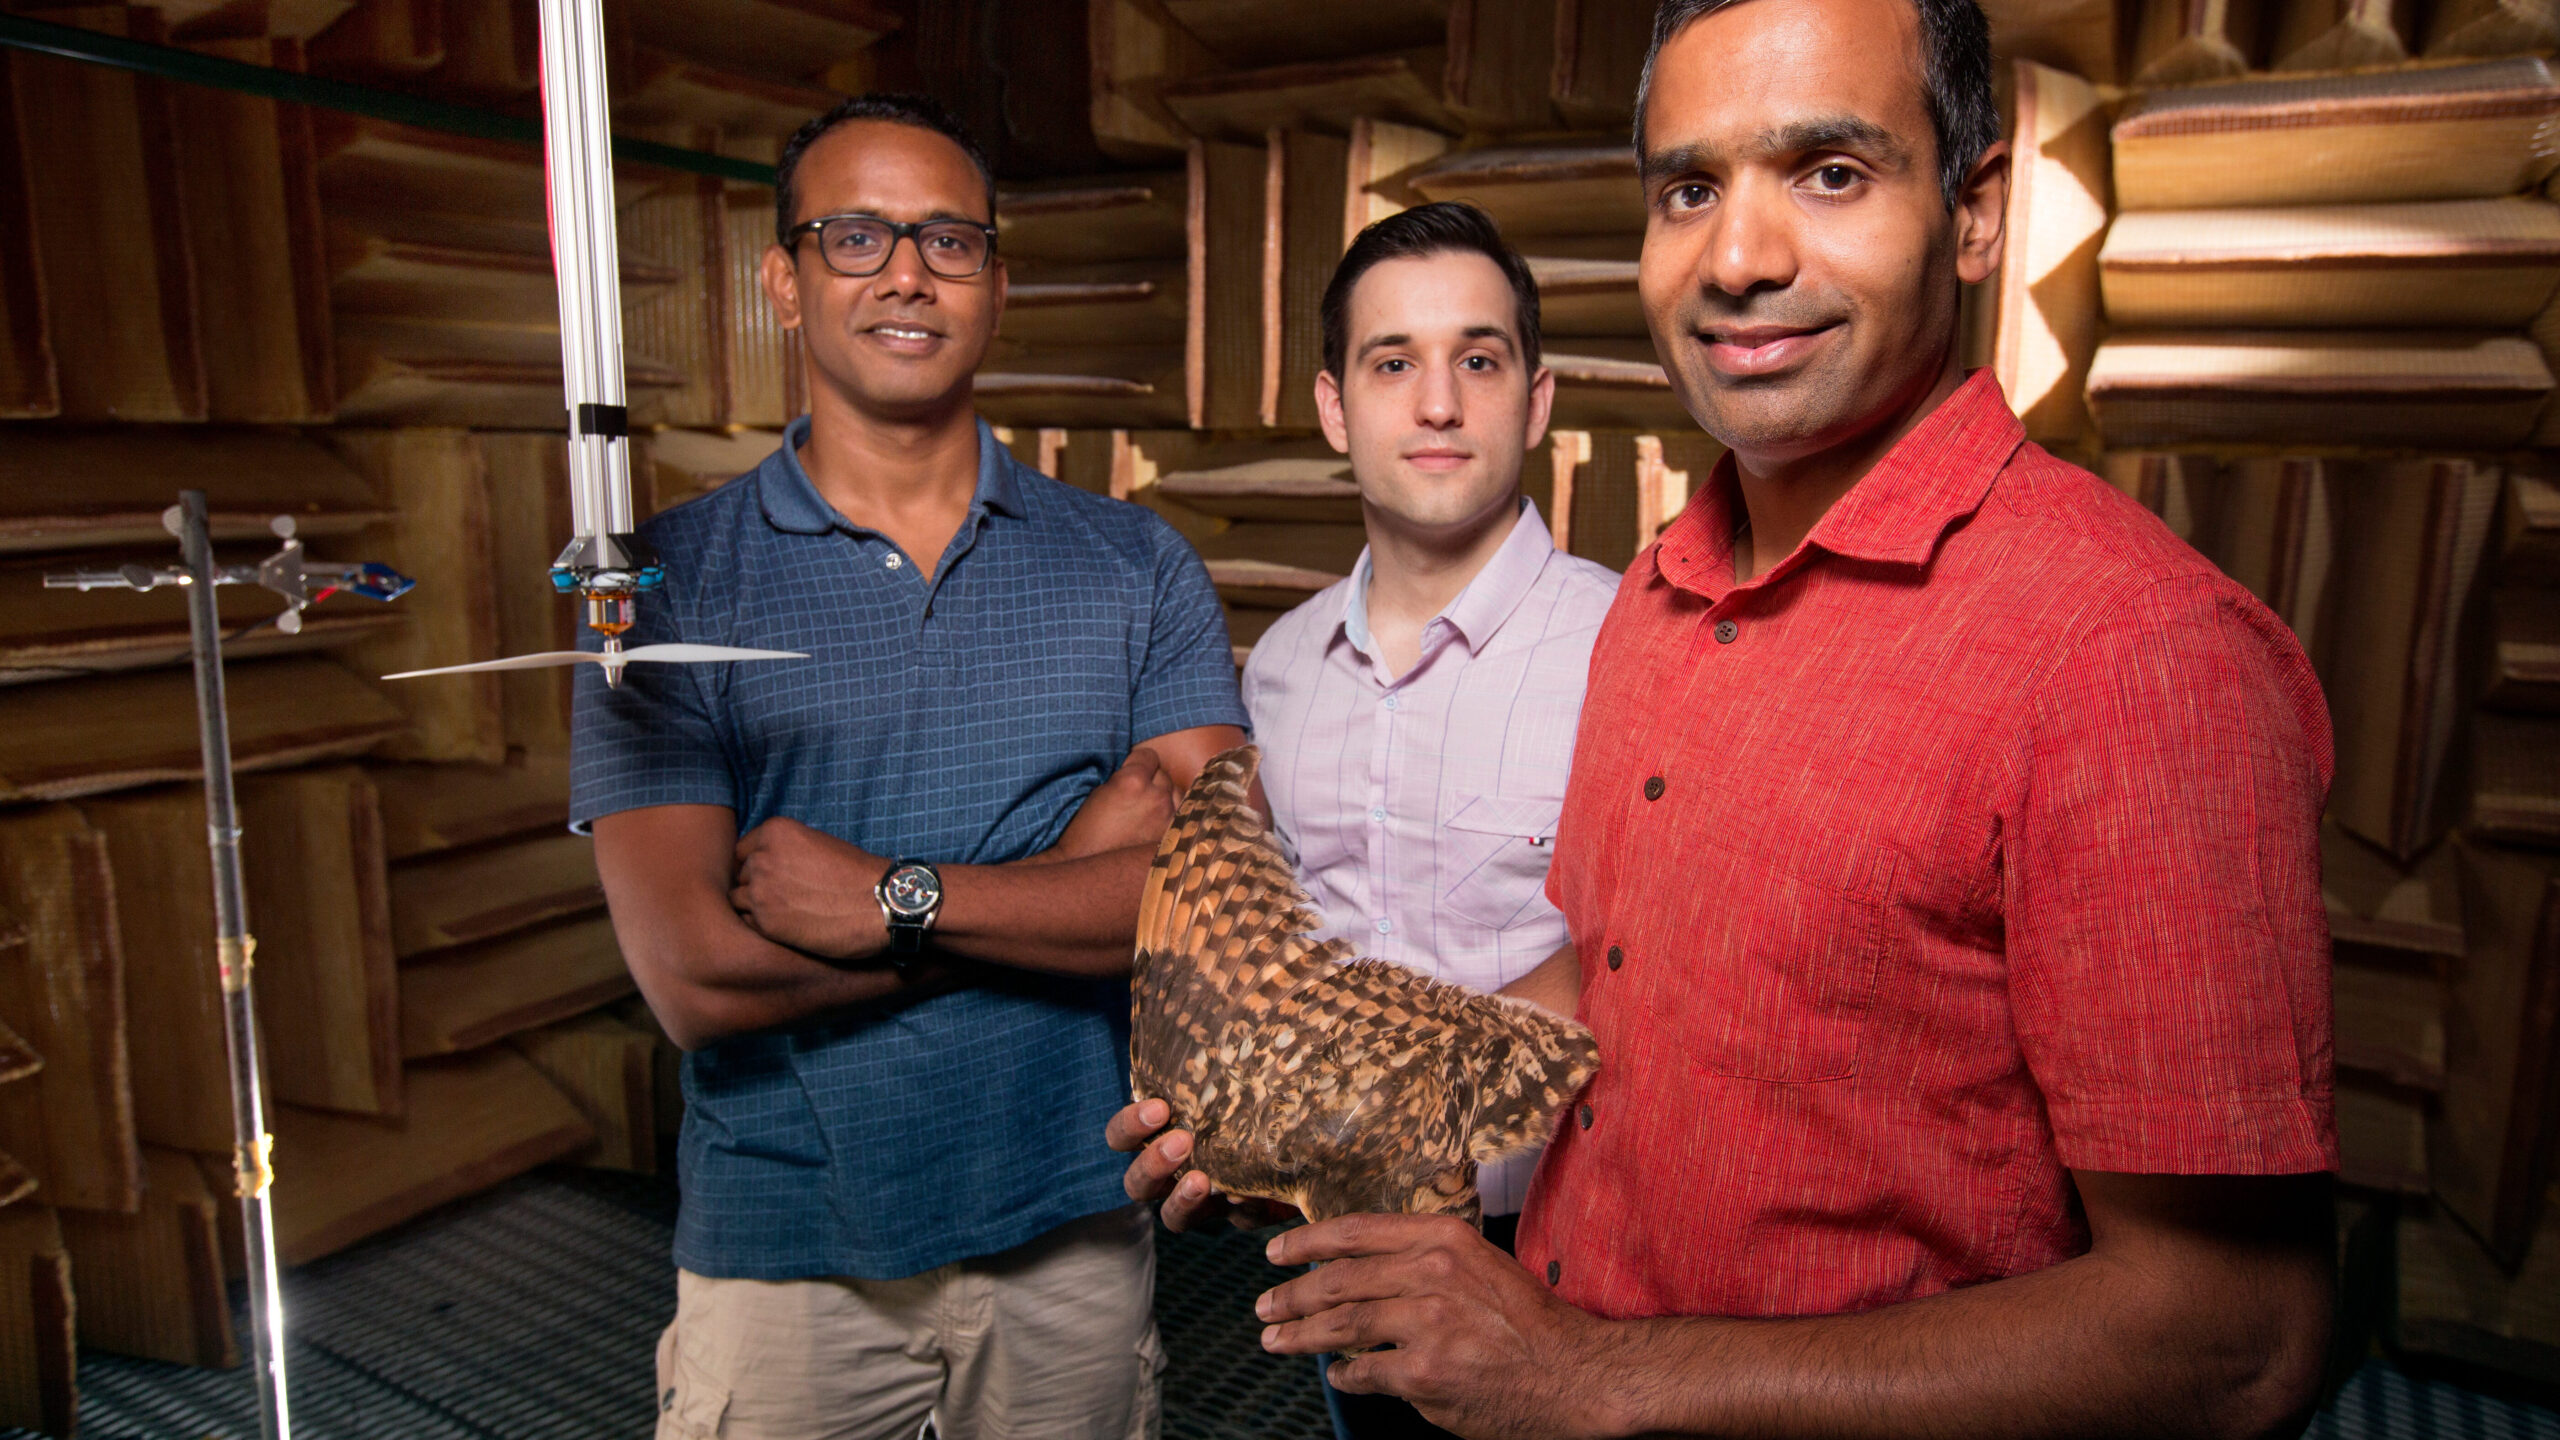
(1538, 1062)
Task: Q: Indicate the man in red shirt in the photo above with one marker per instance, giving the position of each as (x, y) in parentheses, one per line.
(1941, 855)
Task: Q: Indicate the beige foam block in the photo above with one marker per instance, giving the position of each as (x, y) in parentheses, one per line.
(472, 996)
(439, 480)
(2516, 778)
(2444, 133)
(2493, 264)
(2497, 1120)
(64, 488)
(2493, 27)
(1542, 190)
(2524, 666)
(2180, 42)
(1404, 86)
(2382, 1136)
(328, 983)
(609, 1069)
(2410, 537)
(2339, 34)
(70, 1122)
(2410, 913)
(2078, 37)
(2529, 551)
(2456, 1300)
(473, 1121)
(150, 1283)
(2047, 326)
(2378, 389)
(86, 737)
(38, 1385)
(457, 898)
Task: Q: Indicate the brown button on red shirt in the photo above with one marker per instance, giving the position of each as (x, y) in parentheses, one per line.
(1975, 842)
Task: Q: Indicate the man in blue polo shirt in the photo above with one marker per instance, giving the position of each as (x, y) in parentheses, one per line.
(886, 896)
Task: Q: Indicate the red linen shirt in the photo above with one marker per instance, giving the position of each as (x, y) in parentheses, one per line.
(1975, 841)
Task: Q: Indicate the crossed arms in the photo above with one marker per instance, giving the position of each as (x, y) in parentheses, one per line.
(728, 934)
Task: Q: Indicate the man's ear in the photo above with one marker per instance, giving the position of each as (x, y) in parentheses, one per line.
(1329, 411)
(1982, 216)
(1542, 405)
(781, 286)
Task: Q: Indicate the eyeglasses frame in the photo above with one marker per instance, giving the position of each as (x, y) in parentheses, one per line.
(911, 231)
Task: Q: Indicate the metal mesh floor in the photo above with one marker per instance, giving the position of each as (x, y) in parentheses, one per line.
(532, 1313)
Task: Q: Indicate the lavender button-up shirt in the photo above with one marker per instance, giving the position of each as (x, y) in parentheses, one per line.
(1421, 808)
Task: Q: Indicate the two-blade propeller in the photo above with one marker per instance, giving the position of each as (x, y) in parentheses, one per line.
(611, 660)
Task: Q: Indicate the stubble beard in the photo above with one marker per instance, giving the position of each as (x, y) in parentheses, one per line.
(1780, 414)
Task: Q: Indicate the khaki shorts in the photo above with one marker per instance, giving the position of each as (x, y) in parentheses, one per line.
(1052, 1340)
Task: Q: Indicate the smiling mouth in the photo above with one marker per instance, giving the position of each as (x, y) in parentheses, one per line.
(903, 331)
(1755, 350)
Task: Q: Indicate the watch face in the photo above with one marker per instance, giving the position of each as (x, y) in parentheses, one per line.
(913, 890)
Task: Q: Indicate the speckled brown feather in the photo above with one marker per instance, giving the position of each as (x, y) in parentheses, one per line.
(1307, 1075)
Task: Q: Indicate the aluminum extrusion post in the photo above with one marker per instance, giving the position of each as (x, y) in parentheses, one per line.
(235, 947)
(606, 566)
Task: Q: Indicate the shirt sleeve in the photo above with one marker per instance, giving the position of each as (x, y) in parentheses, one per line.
(1188, 676)
(2168, 948)
(649, 741)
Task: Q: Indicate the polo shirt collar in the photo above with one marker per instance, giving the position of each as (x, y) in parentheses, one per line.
(1896, 513)
(792, 503)
(1489, 599)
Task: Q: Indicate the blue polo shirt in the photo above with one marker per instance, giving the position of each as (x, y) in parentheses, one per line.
(960, 720)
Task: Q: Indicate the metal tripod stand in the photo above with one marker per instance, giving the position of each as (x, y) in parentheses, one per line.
(289, 573)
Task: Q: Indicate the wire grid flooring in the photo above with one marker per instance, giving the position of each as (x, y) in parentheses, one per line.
(532, 1313)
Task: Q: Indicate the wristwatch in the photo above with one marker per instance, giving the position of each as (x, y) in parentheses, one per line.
(910, 896)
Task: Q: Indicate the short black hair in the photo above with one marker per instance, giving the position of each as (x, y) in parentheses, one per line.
(920, 111)
(1441, 226)
(1955, 79)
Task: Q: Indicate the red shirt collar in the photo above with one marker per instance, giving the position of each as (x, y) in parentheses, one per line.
(1894, 515)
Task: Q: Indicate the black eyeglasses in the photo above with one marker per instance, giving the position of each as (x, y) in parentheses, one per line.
(859, 245)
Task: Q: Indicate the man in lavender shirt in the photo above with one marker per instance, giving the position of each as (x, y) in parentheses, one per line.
(1417, 719)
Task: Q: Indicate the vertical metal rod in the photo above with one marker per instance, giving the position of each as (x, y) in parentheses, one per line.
(235, 948)
(570, 252)
(585, 255)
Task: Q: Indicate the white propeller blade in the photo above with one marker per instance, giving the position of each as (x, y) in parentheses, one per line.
(613, 661)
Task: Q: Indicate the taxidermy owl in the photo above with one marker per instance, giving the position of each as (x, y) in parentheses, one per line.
(1334, 1086)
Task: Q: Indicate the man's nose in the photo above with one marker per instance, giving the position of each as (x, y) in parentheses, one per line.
(905, 274)
(1436, 402)
(1751, 241)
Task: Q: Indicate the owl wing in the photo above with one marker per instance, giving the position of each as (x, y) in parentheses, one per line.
(1222, 941)
(1307, 1073)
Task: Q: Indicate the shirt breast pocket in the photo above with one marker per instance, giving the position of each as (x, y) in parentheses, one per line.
(1494, 855)
(1775, 963)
